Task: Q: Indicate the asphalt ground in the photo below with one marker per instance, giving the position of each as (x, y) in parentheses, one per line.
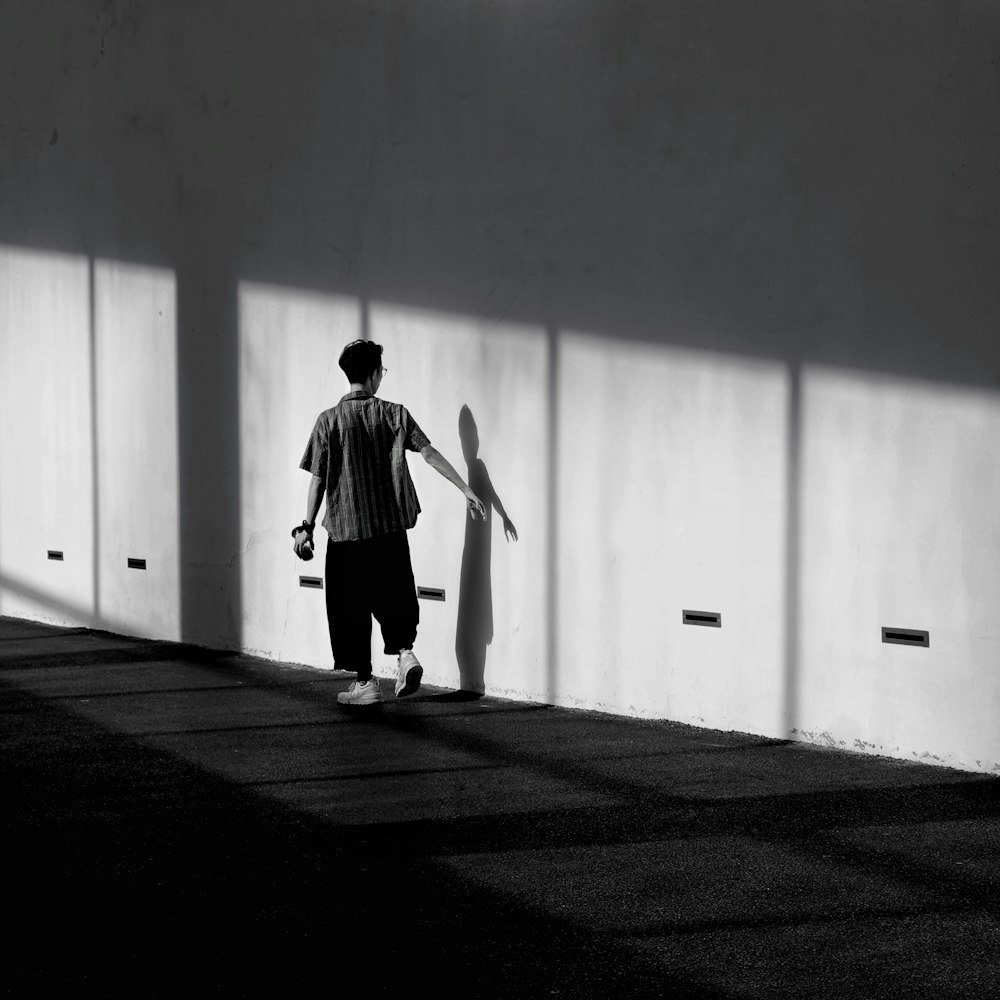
(177, 822)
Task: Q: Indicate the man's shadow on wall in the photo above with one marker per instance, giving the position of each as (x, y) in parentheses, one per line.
(475, 596)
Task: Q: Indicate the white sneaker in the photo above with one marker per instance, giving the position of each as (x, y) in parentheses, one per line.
(409, 674)
(361, 693)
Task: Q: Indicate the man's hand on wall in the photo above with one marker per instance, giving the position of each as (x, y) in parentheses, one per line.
(476, 508)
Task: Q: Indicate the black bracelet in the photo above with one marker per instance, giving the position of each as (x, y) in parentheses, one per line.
(304, 526)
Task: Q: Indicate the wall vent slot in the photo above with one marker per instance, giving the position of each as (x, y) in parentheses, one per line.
(713, 619)
(56, 555)
(906, 636)
(430, 593)
(136, 563)
(315, 582)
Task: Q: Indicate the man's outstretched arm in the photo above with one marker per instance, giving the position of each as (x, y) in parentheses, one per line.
(437, 461)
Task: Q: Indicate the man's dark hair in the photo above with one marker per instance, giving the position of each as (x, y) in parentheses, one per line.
(359, 359)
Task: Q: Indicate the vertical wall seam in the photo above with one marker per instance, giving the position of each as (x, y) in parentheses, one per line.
(95, 473)
(793, 526)
(552, 514)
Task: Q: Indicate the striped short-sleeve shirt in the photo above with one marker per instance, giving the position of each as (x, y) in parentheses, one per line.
(358, 448)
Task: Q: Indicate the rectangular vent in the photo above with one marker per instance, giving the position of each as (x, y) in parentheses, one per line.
(430, 593)
(54, 554)
(710, 618)
(315, 582)
(136, 563)
(906, 636)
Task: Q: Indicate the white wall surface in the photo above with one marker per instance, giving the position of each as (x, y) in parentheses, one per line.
(135, 345)
(46, 447)
(716, 281)
(288, 375)
(671, 472)
(437, 364)
(89, 448)
(899, 530)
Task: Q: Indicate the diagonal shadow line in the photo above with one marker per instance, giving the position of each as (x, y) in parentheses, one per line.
(337, 720)
(74, 611)
(214, 864)
(616, 827)
(407, 772)
(846, 916)
(83, 630)
(166, 734)
(90, 696)
(479, 705)
(429, 839)
(398, 717)
(320, 778)
(653, 816)
(674, 817)
(111, 656)
(401, 720)
(640, 815)
(115, 647)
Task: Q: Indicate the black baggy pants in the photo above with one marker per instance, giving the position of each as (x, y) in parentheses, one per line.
(372, 576)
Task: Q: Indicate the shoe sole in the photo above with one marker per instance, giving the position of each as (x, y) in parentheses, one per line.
(411, 681)
(351, 703)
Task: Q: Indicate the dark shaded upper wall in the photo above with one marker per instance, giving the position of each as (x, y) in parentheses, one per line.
(810, 180)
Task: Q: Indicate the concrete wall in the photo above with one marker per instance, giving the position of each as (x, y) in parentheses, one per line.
(716, 281)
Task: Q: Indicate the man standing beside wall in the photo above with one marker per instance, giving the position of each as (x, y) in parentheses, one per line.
(357, 457)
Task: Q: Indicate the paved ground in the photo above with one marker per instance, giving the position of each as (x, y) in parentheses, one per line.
(180, 823)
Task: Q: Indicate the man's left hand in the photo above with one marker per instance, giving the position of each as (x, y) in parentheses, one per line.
(304, 544)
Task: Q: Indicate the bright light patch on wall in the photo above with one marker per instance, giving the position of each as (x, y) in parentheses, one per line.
(45, 435)
(898, 487)
(894, 475)
(289, 343)
(673, 491)
(480, 389)
(135, 344)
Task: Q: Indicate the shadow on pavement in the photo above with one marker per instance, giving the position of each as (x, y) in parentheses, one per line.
(234, 831)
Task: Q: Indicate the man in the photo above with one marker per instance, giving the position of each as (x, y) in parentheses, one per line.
(357, 457)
